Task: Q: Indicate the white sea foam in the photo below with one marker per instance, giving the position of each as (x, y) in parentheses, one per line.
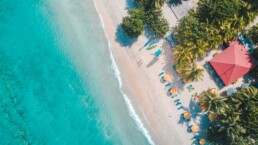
(130, 107)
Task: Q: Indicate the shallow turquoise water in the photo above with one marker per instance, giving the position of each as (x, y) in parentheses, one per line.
(56, 88)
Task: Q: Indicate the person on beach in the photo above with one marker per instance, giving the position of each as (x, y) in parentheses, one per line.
(139, 63)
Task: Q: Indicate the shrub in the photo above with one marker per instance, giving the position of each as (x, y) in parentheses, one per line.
(216, 11)
(157, 23)
(133, 24)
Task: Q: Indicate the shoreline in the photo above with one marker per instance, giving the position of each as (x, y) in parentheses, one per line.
(142, 84)
(128, 102)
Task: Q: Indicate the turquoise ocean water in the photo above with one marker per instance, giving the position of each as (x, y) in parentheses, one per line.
(58, 84)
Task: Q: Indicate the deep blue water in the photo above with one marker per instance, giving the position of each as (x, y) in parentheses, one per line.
(49, 95)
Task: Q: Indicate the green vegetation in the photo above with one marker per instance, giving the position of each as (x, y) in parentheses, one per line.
(214, 22)
(253, 34)
(236, 116)
(157, 24)
(254, 72)
(212, 102)
(150, 14)
(191, 72)
(216, 11)
(133, 24)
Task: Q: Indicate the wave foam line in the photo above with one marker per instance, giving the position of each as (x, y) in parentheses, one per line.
(128, 102)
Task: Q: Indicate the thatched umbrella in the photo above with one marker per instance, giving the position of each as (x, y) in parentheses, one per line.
(195, 128)
(202, 141)
(167, 77)
(187, 115)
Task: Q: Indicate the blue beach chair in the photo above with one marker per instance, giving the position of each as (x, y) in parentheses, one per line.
(162, 73)
(178, 103)
(177, 100)
(180, 108)
(189, 87)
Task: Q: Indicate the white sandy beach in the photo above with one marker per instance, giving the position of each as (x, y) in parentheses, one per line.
(142, 84)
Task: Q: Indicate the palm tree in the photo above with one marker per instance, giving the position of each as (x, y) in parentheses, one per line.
(212, 102)
(249, 10)
(182, 54)
(201, 49)
(192, 73)
(215, 37)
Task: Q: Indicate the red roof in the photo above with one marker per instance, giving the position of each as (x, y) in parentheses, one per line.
(232, 63)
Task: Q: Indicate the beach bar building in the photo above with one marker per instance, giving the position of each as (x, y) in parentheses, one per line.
(232, 63)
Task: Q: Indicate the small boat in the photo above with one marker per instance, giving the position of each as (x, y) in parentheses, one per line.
(151, 47)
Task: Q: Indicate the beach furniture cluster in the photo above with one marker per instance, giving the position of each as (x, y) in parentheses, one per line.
(152, 44)
(172, 92)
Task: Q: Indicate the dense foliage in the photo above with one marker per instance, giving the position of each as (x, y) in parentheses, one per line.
(157, 24)
(237, 118)
(253, 34)
(151, 16)
(212, 102)
(214, 22)
(133, 24)
(216, 11)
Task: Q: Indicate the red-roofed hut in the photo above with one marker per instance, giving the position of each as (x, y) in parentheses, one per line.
(232, 63)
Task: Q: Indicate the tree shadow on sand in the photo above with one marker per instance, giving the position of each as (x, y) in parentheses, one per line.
(204, 124)
(153, 61)
(175, 2)
(194, 108)
(183, 121)
(123, 39)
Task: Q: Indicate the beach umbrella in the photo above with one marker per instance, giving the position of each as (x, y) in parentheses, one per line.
(195, 128)
(167, 77)
(202, 141)
(173, 90)
(187, 115)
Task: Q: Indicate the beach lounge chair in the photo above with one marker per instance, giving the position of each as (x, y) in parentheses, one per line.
(178, 103)
(181, 107)
(189, 87)
(162, 73)
(221, 84)
(151, 47)
(212, 72)
(207, 65)
(217, 80)
(168, 84)
(147, 43)
(153, 42)
(177, 100)
(174, 67)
